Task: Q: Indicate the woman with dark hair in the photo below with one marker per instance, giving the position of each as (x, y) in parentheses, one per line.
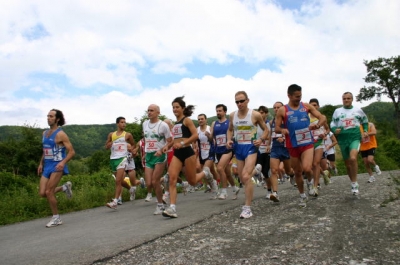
(184, 134)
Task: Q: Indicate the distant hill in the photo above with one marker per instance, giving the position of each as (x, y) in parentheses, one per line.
(89, 138)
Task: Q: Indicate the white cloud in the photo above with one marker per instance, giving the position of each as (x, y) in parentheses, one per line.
(320, 47)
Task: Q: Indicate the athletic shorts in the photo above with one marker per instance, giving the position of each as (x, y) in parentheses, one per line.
(264, 160)
(347, 147)
(318, 144)
(130, 166)
(331, 157)
(170, 155)
(183, 153)
(297, 151)
(242, 151)
(369, 152)
(280, 152)
(50, 167)
(118, 163)
(152, 160)
(210, 157)
(218, 156)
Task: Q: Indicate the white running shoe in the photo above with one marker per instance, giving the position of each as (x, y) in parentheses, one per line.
(149, 197)
(185, 187)
(311, 191)
(268, 196)
(132, 192)
(222, 196)
(119, 201)
(55, 221)
(165, 198)
(377, 170)
(246, 212)
(159, 209)
(142, 183)
(68, 189)
(112, 204)
(326, 177)
(303, 202)
(170, 212)
(371, 179)
(166, 180)
(354, 189)
(274, 197)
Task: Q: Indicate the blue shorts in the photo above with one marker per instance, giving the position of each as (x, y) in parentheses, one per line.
(242, 151)
(50, 167)
(280, 152)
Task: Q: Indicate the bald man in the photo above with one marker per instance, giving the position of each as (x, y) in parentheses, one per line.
(157, 135)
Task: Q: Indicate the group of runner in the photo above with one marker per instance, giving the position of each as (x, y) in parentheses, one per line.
(297, 141)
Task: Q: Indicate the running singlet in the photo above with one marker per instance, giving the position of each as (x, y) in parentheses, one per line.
(51, 150)
(204, 144)
(244, 129)
(263, 146)
(316, 132)
(180, 130)
(275, 136)
(220, 129)
(349, 121)
(297, 122)
(155, 135)
(119, 146)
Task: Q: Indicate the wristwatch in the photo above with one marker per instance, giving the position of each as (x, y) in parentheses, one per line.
(183, 144)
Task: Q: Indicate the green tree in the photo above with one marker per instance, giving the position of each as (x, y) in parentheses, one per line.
(384, 75)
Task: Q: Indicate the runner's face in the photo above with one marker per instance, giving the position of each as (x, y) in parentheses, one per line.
(220, 112)
(121, 124)
(152, 112)
(241, 101)
(201, 120)
(263, 114)
(276, 107)
(347, 100)
(51, 118)
(295, 98)
(315, 105)
(177, 109)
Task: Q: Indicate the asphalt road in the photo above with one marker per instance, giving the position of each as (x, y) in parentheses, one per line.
(94, 234)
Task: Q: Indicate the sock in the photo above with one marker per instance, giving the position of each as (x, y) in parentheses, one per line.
(173, 206)
(56, 216)
(149, 194)
(354, 184)
(166, 193)
(303, 195)
(223, 190)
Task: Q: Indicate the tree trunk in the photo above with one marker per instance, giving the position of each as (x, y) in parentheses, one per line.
(398, 123)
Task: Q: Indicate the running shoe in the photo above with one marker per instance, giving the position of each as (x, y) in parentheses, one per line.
(371, 179)
(209, 177)
(208, 189)
(149, 197)
(170, 212)
(132, 192)
(303, 202)
(159, 209)
(55, 221)
(142, 183)
(112, 204)
(68, 189)
(354, 189)
(315, 192)
(166, 180)
(165, 198)
(377, 170)
(236, 190)
(119, 201)
(292, 180)
(326, 177)
(274, 197)
(246, 213)
(268, 196)
(336, 171)
(185, 187)
(311, 191)
(222, 196)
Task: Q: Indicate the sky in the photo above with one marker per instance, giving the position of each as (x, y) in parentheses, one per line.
(97, 60)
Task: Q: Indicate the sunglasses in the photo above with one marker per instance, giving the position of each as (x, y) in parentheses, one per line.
(240, 101)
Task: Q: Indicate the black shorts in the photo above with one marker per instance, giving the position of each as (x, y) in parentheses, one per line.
(183, 153)
(369, 152)
(264, 160)
(331, 157)
(229, 151)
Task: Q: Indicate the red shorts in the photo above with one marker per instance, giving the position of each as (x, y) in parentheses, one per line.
(297, 151)
(170, 155)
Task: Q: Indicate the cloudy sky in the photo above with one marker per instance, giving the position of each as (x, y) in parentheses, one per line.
(97, 60)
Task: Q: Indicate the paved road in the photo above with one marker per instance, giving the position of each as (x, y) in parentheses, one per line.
(90, 235)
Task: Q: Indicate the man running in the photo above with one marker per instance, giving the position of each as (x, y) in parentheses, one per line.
(57, 151)
(243, 126)
(298, 137)
(118, 143)
(346, 122)
(367, 150)
(223, 154)
(157, 136)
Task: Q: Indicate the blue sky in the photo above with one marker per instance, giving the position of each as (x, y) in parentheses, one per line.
(96, 60)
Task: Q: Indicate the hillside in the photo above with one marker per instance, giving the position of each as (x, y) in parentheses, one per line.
(89, 138)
